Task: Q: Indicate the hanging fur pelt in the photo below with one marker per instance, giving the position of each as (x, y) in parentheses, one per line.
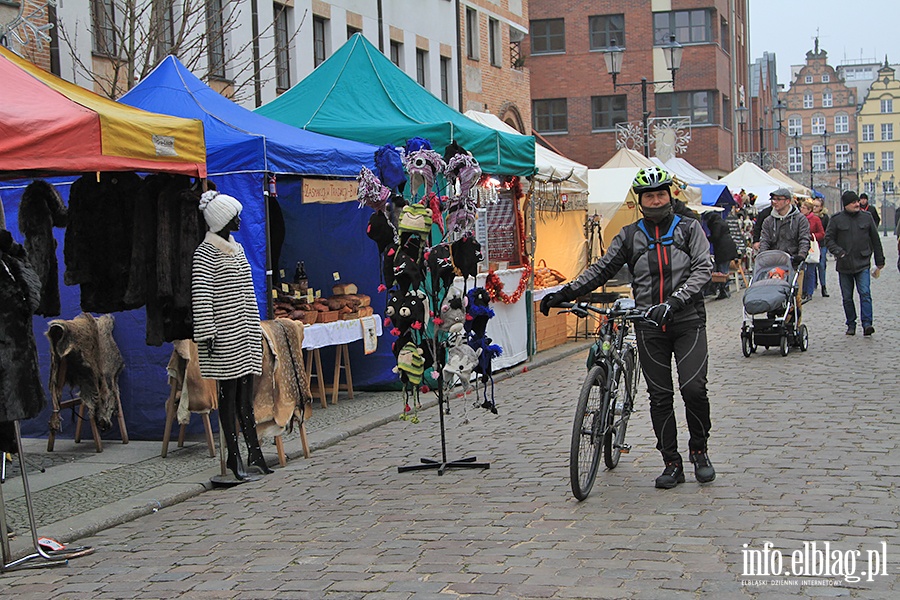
(40, 211)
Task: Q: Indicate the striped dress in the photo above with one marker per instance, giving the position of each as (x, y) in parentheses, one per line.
(224, 310)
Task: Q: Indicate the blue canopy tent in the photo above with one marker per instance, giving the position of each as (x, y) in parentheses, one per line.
(717, 194)
(242, 149)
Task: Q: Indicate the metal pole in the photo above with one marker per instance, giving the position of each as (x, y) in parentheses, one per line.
(646, 116)
(761, 148)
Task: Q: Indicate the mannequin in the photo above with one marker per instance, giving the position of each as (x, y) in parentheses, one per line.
(227, 327)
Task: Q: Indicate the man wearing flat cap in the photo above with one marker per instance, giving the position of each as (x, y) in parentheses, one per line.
(786, 228)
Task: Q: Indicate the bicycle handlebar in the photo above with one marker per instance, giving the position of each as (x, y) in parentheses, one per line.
(580, 310)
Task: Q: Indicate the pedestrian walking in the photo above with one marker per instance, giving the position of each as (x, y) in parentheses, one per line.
(864, 205)
(820, 211)
(818, 234)
(852, 237)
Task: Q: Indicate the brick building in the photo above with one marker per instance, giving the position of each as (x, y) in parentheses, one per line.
(575, 105)
(494, 78)
(821, 128)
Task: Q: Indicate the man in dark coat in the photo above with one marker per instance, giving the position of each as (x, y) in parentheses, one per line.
(852, 238)
(723, 248)
(870, 208)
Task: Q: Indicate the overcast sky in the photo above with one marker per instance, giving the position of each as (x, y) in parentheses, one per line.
(847, 29)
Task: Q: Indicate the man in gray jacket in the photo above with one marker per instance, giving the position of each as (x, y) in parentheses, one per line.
(786, 229)
(668, 256)
(852, 237)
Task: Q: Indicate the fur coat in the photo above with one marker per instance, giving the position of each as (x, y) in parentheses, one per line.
(198, 395)
(40, 211)
(98, 241)
(93, 364)
(21, 393)
(281, 393)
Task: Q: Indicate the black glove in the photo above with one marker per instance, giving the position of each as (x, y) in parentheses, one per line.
(660, 314)
(551, 300)
(209, 347)
(797, 260)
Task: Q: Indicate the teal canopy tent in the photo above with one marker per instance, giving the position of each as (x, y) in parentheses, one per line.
(359, 94)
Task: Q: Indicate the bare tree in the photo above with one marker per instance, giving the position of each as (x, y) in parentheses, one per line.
(134, 36)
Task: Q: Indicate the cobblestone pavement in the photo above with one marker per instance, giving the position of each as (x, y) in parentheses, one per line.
(805, 447)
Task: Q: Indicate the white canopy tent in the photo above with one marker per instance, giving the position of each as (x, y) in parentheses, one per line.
(685, 171)
(798, 188)
(751, 178)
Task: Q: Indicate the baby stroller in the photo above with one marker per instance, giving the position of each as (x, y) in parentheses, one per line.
(772, 313)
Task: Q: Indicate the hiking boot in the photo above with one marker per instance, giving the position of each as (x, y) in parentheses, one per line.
(703, 469)
(671, 476)
(868, 330)
(851, 330)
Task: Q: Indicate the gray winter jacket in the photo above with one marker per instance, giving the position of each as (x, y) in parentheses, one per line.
(853, 240)
(789, 233)
(677, 270)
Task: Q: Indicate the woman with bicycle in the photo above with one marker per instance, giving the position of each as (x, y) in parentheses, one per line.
(668, 257)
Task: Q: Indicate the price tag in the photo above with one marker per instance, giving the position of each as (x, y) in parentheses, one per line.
(309, 296)
(336, 276)
(298, 295)
(285, 288)
(281, 274)
(318, 293)
(275, 294)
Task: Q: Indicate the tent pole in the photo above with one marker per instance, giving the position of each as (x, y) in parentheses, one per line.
(270, 309)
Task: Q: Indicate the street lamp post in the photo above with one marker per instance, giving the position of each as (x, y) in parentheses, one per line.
(778, 110)
(846, 161)
(884, 189)
(614, 56)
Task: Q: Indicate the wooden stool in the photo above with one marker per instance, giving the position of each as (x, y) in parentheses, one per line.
(76, 402)
(341, 363)
(172, 413)
(737, 268)
(313, 366)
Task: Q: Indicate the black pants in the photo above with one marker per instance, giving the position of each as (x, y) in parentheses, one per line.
(687, 342)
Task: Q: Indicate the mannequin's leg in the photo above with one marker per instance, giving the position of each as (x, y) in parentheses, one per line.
(228, 389)
(248, 424)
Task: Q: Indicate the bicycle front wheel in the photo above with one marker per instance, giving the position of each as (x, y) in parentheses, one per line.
(618, 411)
(587, 433)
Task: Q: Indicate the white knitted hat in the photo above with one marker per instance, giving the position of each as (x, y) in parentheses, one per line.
(219, 209)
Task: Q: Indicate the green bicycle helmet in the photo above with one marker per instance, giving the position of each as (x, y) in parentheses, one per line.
(651, 178)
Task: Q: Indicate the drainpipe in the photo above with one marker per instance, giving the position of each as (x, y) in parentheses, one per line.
(459, 58)
(381, 27)
(257, 82)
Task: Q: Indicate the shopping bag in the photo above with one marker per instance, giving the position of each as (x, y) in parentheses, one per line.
(814, 252)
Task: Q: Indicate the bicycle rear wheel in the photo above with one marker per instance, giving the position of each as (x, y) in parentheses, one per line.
(587, 433)
(615, 422)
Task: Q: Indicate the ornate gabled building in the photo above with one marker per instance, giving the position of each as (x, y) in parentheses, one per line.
(879, 141)
(821, 128)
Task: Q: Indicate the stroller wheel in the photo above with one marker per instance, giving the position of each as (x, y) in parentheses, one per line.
(785, 346)
(747, 346)
(803, 338)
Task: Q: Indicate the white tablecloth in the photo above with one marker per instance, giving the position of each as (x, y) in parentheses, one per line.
(320, 335)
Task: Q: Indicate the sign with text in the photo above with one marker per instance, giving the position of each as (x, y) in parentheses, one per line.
(329, 191)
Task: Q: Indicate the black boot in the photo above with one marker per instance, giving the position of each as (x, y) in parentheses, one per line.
(824, 292)
(671, 476)
(248, 425)
(703, 469)
(227, 419)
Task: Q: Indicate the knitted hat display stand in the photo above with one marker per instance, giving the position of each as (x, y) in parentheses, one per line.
(413, 282)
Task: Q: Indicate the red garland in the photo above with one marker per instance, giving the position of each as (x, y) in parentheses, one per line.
(494, 287)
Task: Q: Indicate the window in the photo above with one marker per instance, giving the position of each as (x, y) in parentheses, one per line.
(606, 111)
(888, 186)
(696, 105)
(548, 35)
(817, 125)
(396, 53)
(887, 160)
(795, 125)
(165, 27)
(868, 159)
(688, 26)
(725, 36)
(606, 31)
(841, 123)
(819, 161)
(104, 25)
(887, 132)
(826, 78)
(842, 155)
(868, 133)
(318, 41)
(352, 30)
(869, 187)
(445, 79)
(472, 39)
(282, 51)
(494, 41)
(421, 62)
(550, 116)
(807, 101)
(827, 101)
(726, 112)
(795, 159)
(215, 32)
(808, 79)
(887, 105)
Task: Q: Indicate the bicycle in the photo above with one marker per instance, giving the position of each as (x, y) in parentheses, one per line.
(607, 396)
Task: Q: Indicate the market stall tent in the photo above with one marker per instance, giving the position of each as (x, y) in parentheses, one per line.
(751, 178)
(798, 188)
(359, 94)
(50, 126)
(560, 239)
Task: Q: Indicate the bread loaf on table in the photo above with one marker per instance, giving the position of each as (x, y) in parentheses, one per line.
(342, 289)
